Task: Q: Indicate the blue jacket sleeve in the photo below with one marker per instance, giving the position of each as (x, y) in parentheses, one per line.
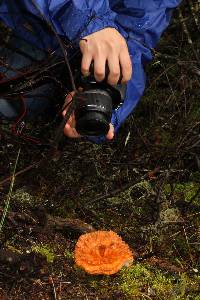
(72, 19)
(141, 22)
(75, 19)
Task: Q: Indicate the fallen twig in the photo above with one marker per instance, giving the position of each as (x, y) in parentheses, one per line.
(54, 289)
(52, 222)
(8, 179)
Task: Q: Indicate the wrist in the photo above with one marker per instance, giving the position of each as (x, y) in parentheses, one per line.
(98, 23)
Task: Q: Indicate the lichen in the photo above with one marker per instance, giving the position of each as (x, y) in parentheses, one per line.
(137, 192)
(23, 197)
(170, 215)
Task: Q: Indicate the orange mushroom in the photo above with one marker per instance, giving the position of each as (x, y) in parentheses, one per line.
(102, 252)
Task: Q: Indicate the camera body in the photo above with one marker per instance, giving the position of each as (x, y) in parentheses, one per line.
(95, 103)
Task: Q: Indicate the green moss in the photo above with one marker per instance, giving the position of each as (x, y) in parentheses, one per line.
(145, 282)
(195, 176)
(14, 249)
(184, 191)
(133, 280)
(68, 254)
(46, 251)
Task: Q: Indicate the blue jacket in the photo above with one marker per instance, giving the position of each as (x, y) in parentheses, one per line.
(141, 22)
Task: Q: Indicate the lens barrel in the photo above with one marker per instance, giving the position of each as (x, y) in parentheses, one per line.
(93, 112)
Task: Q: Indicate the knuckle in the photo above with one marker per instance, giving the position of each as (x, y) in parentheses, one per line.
(98, 50)
(128, 71)
(99, 73)
(85, 70)
(84, 48)
(125, 79)
(89, 50)
(112, 43)
(126, 75)
(127, 67)
(115, 74)
(123, 43)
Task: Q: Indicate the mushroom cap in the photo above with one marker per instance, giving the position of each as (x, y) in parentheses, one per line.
(102, 252)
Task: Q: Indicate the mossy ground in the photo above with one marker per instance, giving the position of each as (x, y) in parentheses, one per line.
(144, 186)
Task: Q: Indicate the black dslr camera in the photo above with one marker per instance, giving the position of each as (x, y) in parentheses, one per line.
(94, 104)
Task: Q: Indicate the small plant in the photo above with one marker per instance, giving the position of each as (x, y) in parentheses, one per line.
(7, 202)
(45, 251)
(68, 254)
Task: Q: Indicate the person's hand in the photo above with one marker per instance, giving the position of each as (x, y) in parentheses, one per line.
(69, 129)
(70, 126)
(106, 46)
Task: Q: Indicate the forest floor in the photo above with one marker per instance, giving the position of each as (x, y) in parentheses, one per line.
(144, 185)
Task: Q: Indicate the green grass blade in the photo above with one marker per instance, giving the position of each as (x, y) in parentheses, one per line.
(7, 203)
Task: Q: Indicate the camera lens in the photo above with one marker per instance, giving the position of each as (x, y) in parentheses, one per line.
(93, 112)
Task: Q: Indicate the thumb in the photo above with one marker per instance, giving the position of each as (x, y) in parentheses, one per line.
(110, 134)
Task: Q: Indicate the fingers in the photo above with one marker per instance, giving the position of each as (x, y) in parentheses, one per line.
(86, 62)
(106, 45)
(114, 70)
(126, 66)
(71, 132)
(99, 67)
(68, 99)
(69, 129)
(110, 134)
(70, 126)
